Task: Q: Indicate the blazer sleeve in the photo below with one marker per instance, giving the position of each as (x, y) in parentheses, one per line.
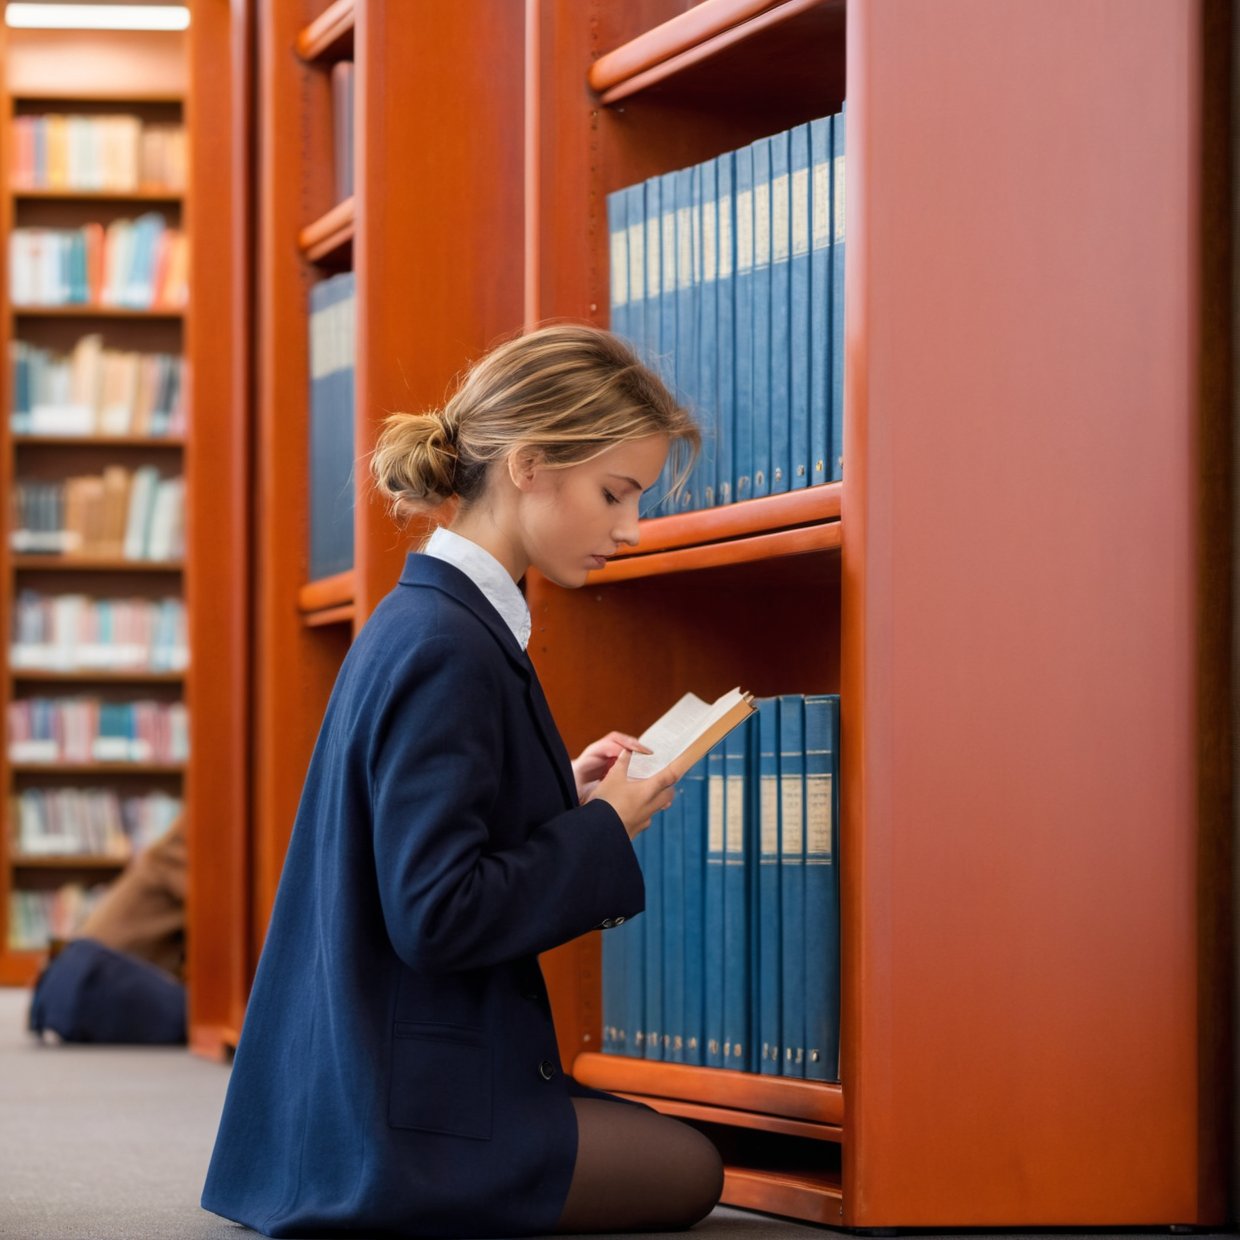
(449, 903)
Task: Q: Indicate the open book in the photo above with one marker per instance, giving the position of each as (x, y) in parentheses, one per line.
(689, 731)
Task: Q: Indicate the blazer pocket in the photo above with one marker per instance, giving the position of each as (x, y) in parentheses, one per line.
(441, 1080)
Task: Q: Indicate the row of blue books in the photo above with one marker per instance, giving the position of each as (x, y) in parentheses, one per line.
(728, 277)
(735, 962)
(332, 353)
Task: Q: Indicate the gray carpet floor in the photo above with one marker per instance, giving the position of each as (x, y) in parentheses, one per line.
(102, 1143)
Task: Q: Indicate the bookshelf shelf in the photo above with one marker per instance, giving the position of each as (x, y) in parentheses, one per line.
(812, 1102)
(171, 444)
(748, 40)
(330, 238)
(169, 196)
(96, 312)
(756, 549)
(330, 35)
(330, 592)
(113, 96)
(814, 1197)
(67, 861)
(706, 1114)
(84, 564)
(97, 768)
(20, 967)
(48, 676)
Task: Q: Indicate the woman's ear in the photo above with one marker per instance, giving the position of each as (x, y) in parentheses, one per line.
(523, 465)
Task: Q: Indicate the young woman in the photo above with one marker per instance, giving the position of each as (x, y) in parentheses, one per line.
(397, 1073)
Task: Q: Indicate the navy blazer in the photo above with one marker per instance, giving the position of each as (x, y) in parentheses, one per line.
(397, 1073)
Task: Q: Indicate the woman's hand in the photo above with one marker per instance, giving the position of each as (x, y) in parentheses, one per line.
(596, 760)
(636, 800)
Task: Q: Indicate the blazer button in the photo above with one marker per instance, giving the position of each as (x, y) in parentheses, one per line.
(608, 923)
(619, 921)
(546, 1069)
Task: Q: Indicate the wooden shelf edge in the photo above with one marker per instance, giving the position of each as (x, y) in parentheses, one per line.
(819, 1102)
(751, 516)
(335, 591)
(92, 311)
(20, 966)
(328, 236)
(97, 768)
(830, 1133)
(34, 193)
(67, 861)
(97, 441)
(80, 564)
(98, 96)
(328, 34)
(96, 677)
(684, 40)
(799, 541)
(795, 1196)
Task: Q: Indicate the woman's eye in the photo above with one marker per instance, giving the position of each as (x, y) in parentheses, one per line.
(610, 498)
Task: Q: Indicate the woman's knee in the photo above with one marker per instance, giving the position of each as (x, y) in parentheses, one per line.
(701, 1170)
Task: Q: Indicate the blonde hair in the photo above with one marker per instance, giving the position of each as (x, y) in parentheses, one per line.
(567, 391)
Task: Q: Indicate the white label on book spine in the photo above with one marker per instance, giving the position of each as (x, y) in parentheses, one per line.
(652, 256)
(619, 268)
(695, 227)
(822, 205)
(792, 805)
(684, 249)
(714, 815)
(839, 199)
(736, 815)
(818, 817)
(761, 225)
(779, 219)
(637, 264)
(800, 211)
(768, 796)
(725, 236)
(669, 250)
(744, 231)
(710, 242)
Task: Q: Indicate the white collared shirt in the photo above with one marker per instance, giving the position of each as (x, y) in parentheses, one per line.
(488, 574)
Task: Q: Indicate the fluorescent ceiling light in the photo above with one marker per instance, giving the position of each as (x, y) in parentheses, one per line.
(97, 16)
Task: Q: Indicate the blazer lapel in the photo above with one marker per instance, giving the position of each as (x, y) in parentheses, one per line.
(427, 570)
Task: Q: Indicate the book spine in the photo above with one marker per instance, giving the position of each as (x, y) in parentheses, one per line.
(822, 929)
(686, 318)
(838, 236)
(618, 249)
(792, 874)
(673, 831)
(734, 418)
(716, 482)
(653, 966)
(694, 831)
(765, 482)
(743, 330)
(714, 911)
(769, 923)
(801, 462)
(735, 903)
(781, 398)
(634, 1003)
(819, 351)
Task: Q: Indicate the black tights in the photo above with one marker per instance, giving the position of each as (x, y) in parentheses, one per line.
(638, 1171)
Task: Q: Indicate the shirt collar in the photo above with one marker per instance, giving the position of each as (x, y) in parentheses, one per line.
(488, 574)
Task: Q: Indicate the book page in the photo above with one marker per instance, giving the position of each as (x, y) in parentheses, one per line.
(673, 732)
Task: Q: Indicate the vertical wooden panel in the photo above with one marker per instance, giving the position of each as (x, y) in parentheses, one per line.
(1021, 613)
(219, 686)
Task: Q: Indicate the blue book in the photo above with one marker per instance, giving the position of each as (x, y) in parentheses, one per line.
(764, 481)
(686, 321)
(331, 426)
(633, 1031)
(780, 386)
(673, 832)
(652, 318)
(652, 863)
(741, 443)
(618, 236)
(837, 295)
(716, 484)
(800, 460)
(693, 810)
(752, 451)
(769, 924)
(822, 922)
(819, 353)
(792, 886)
(736, 994)
(668, 302)
(713, 911)
(743, 323)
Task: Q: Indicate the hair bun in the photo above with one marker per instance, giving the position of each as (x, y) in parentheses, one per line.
(415, 459)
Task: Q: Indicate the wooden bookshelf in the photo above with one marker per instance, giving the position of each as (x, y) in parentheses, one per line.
(957, 599)
(93, 73)
(1032, 922)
